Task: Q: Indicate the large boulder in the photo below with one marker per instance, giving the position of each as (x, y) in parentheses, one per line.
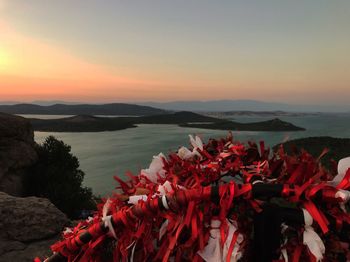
(17, 153)
(28, 226)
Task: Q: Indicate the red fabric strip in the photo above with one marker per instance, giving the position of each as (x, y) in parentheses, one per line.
(189, 213)
(317, 216)
(297, 253)
(232, 245)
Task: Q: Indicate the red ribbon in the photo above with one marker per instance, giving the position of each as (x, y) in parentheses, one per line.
(317, 215)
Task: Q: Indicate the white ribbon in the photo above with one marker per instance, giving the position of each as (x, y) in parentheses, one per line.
(184, 153)
(284, 253)
(196, 142)
(108, 219)
(163, 229)
(165, 202)
(67, 230)
(162, 189)
(133, 244)
(156, 168)
(343, 194)
(213, 252)
(343, 166)
(311, 239)
(165, 188)
(136, 198)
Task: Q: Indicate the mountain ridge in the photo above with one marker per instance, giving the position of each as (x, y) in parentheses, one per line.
(223, 105)
(243, 105)
(81, 109)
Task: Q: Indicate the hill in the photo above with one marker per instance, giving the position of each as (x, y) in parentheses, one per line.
(82, 109)
(338, 147)
(270, 125)
(232, 114)
(83, 123)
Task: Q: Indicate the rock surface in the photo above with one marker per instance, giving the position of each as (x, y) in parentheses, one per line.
(28, 226)
(17, 153)
(27, 253)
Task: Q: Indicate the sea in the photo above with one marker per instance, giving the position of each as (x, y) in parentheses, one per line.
(103, 155)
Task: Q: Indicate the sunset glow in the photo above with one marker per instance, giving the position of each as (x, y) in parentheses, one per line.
(5, 60)
(130, 52)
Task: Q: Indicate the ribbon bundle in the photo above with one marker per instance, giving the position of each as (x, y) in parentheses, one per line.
(220, 201)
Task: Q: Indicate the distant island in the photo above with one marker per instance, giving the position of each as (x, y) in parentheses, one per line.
(270, 125)
(86, 123)
(82, 109)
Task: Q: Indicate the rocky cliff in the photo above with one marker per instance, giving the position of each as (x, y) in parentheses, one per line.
(17, 153)
(28, 226)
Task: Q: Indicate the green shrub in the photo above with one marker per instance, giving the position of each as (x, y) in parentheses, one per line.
(57, 176)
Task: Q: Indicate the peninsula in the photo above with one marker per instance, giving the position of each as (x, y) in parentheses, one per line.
(86, 123)
(269, 125)
(112, 109)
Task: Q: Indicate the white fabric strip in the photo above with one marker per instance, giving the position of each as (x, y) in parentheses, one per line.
(311, 239)
(108, 219)
(213, 252)
(132, 253)
(196, 142)
(308, 220)
(165, 202)
(343, 194)
(343, 166)
(163, 229)
(135, 199)
(284, 253)
(156, 168)
(108, 223)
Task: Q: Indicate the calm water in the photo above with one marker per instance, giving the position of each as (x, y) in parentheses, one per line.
(105, 154)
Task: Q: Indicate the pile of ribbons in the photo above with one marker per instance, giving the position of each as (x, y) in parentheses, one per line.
(220, 201)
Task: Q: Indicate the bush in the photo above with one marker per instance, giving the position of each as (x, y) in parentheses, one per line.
(338, 148)
(57, 176)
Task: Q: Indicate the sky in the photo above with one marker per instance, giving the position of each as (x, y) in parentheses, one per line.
(292, 51)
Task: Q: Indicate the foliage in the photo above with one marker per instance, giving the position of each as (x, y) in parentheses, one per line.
(57, 176)
(338, 148)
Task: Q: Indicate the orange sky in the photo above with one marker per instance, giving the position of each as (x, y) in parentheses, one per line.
(37, 66)
(34, 69)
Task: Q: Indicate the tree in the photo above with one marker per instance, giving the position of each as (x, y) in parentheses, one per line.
(57, 176)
